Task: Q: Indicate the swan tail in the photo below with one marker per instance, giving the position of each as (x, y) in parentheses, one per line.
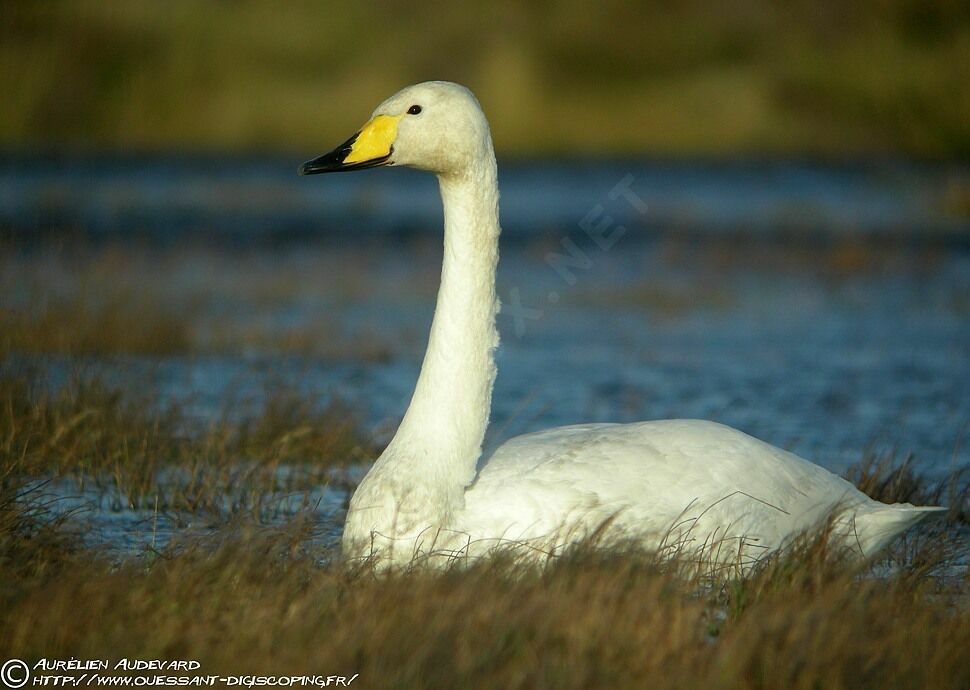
(873, 528)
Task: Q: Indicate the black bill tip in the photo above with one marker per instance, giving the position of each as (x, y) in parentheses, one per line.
(318, 165)
(334, 161)
(329, 162)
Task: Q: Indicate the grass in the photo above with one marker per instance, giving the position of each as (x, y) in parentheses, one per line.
(146, 454)
(83, 326)
(620, 77)
(257, 601)
(83, 299)
(255, 596)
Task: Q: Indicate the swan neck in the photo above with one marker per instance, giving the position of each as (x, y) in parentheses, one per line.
(443, 429)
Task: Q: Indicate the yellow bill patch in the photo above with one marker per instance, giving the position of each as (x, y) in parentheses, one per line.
(375, 139)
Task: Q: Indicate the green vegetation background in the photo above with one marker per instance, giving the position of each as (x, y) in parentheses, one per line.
(815, 77)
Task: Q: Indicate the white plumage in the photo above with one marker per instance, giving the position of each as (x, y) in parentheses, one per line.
(694, 486)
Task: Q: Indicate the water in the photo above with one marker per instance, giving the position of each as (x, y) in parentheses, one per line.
(104, 521)
(173, 197)
(824, 310)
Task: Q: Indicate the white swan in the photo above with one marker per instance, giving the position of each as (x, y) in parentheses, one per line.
(694, 483)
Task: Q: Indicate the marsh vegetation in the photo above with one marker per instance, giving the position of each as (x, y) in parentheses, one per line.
(249, 598)
(820, 78)
(200, 354)
(240, 498)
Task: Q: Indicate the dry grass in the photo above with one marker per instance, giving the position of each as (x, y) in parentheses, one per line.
(146, 454)
(890, 480)
(257, 601)
(85, 299)
(251, 599)
(82, 328)
(663, 301)
(828, 259)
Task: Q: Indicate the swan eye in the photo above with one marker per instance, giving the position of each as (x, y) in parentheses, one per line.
(414, 110)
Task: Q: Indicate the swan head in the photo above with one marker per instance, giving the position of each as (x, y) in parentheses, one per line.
(435, 126)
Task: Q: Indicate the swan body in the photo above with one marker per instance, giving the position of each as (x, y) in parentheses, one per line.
(677, 484)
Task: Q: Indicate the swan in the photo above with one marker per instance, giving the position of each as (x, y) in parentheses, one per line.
(696, 484)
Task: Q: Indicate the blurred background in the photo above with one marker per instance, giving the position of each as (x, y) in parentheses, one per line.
(802, 270)
(821, 78)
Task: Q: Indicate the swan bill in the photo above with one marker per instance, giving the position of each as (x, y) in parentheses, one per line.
(371, 147)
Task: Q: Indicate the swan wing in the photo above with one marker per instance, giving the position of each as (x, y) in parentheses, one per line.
(702, 480)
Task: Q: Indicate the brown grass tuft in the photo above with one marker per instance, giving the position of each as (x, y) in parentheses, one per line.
(250, 599)
(256, 601)
(147, 454)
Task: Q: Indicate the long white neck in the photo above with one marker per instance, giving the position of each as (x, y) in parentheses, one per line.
(440, 438)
